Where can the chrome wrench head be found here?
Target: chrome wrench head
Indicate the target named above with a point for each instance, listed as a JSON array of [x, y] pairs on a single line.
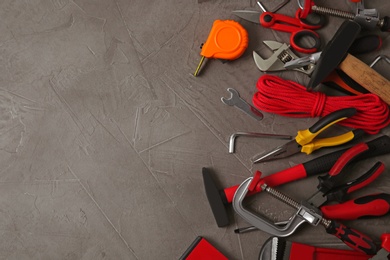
[[281, 55], [237, 101], [260, 222]]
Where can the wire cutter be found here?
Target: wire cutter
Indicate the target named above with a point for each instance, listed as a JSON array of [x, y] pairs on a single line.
[[331, 188], [299, 28], [310, 211], [304, 141]]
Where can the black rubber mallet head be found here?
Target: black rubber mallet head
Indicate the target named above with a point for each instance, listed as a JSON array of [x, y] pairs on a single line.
[[216, 199]]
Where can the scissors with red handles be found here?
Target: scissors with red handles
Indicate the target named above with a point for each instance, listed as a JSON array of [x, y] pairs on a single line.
[[298, 28]]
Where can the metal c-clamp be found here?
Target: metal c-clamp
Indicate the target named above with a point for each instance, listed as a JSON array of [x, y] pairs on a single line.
[[305, 213]]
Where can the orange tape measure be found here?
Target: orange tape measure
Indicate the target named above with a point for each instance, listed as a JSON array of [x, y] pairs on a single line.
[[227, 40]]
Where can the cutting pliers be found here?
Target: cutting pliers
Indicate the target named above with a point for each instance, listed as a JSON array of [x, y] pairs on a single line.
[[331, 188], [304, 141], [311, 211]]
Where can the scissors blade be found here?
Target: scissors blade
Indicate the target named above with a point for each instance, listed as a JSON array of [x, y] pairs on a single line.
[[251, 16], [282, 151]]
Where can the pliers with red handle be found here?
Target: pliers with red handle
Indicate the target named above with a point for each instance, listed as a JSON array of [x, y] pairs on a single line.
[[330, 189]]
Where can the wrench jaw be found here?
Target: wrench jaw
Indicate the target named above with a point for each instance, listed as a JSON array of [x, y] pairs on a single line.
[[261, 222], [281, 55]]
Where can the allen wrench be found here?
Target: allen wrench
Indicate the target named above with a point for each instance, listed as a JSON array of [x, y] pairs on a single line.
[[251, 134]]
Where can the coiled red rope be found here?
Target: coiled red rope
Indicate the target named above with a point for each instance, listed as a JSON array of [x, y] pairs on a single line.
[[288, 98]]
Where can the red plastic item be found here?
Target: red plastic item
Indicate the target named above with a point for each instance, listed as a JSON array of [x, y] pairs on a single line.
[[371, 205], [386, 241], [305, 252], [295, 26], [288, 175], [288, 98], [227, 40], [201, 249], [346, 158]]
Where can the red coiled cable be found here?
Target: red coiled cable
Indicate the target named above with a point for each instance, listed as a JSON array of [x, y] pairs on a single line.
[[288, 98]]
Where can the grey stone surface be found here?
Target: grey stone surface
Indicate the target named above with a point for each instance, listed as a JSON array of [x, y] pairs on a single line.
[[104, 130]]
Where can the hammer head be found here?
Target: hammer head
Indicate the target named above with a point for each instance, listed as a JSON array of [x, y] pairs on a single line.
[[334, 52], [215, 199]]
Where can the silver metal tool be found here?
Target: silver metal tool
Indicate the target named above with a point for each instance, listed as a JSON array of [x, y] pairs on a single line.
[[282, 54], [275, 9], [237, 101], [264, 224], [309, 60], [368, 18], [381, 255], [251, 134], [313, 58], [378, 58]]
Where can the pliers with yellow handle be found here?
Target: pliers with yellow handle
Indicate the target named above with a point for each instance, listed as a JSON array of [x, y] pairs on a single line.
[[304, 141]]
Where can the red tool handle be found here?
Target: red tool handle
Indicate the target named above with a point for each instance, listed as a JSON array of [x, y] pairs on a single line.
[[352, 238], [338, 193], [374, 205], [313, 167], [385, 241], [347, 157], [300, 251]]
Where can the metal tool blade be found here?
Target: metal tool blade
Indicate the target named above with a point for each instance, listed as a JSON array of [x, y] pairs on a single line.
[[282, 151], [334, 52], [251, 16], [317, 199], [275, 248], [381, 255], [304, 61]]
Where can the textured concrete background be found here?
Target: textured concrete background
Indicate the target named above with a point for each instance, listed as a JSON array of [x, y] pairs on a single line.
[[104, 130]]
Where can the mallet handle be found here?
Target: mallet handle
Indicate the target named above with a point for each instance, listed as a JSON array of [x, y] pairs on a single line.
[[366, 77]]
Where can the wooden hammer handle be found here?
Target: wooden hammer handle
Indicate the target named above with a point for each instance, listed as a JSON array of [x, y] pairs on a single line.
[[366, 77]]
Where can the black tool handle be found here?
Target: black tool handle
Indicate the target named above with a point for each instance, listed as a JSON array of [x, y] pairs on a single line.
[[374, 205], [352, 238], [365, 44], [338, 193], [331, 118], [386, 24], [324, 163]]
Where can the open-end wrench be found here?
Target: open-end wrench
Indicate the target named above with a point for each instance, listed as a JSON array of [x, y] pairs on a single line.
[[237, 101]]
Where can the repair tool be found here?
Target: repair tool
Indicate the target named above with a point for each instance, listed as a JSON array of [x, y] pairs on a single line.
[[237, 101], [220, 198], [227, 40], [361, 45], [299, 28], [369, 206], [384, 252], [304, 141], [275, 9], [335, 54], [330, 189], [378, 58], [367, 18], [337, 79], [276, 248], [202, 249], [305, 213], [283, 58], [251, 134]]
